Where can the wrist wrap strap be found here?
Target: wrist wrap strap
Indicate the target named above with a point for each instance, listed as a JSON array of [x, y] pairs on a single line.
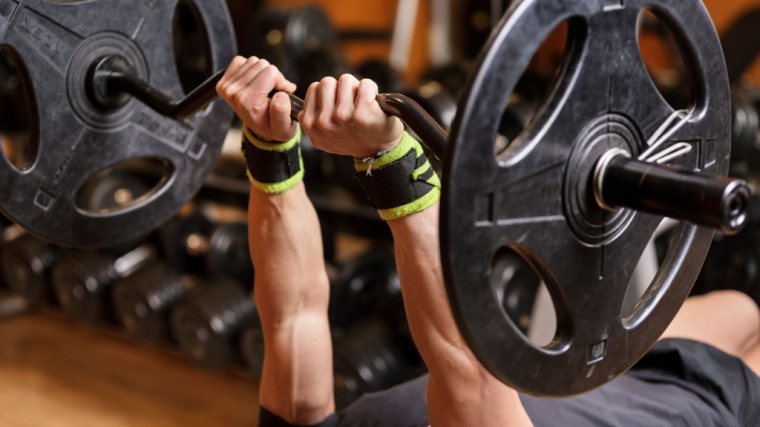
[[400, 182], [273, 167]]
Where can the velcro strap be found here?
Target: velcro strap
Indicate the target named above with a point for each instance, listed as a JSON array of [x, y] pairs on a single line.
[[270, 167], [399, 182], [273, 167], [393, 185]]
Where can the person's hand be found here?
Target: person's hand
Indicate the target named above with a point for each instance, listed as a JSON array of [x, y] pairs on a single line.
[[246, 85], [343, 117]]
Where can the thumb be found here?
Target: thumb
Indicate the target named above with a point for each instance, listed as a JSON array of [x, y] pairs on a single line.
[[281, 126]]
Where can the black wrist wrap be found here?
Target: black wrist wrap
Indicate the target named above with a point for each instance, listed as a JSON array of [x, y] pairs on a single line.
[[269, 167], [393, 185]]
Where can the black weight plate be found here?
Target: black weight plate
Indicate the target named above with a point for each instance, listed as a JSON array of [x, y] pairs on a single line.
[[534, 200], [57, 42]]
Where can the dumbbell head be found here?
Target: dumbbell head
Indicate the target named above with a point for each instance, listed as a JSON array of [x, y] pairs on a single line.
[[228, 254], [515, 284], [363, 286], [25, 264], [252, 347], [112, 190], [452, 76], [12, 304], [206, 323], [183, 242], [434, 98], [312, 161], [81, 280], [368, 358], [321, 62], [380, 71], [143, 301], [285, 36]]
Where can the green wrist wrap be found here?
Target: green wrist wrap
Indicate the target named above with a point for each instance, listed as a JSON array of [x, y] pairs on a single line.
[[273, 167], [400, 182]]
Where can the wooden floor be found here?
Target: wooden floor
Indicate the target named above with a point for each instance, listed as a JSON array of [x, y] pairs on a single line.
[[57, 373]]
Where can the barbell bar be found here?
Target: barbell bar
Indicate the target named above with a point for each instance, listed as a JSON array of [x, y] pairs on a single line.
[[702, 199]]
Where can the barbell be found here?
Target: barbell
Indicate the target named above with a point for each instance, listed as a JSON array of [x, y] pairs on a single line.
[[578, 194]]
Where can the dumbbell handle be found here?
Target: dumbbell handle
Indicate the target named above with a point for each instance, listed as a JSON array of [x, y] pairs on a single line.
[[706, 200]]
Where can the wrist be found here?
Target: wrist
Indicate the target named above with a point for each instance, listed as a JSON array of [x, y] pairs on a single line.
[[400, 182], [380, 149], [267, 137], [273, 167]]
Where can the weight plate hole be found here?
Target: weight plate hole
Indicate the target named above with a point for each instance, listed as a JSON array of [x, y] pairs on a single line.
[[192, 54], [643, 285], [662, 51], [523, 297], [18, 111], [539, 86], [122, 185]]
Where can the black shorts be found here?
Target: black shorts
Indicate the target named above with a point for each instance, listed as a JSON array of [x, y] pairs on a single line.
[[707, 370], [722, 385]]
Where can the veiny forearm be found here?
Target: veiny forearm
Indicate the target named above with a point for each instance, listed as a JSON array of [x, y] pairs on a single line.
[[460, 390], [291, 292]]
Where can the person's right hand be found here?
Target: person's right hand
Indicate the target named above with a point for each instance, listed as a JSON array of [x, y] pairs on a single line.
[[246, 86], [343, 117]]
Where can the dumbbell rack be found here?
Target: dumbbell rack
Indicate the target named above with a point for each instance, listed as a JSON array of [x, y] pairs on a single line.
[[360, 225]]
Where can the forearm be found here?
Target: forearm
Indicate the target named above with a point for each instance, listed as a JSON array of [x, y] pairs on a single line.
[[460, 390], [291, 292]]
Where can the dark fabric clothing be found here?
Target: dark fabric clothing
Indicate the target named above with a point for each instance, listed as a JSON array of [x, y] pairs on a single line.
[[677, 383]]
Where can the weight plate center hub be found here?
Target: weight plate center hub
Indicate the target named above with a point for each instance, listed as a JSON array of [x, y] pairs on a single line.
[[126, 57], [589, 222]]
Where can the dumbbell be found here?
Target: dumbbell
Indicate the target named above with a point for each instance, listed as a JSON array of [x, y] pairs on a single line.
[[526, 98], [82, 280], [252, 346], [439, 89], [111, 190], [14, 114], [745, 151], [312, 162], [12, 304], [515, 284], [207, 323], [25, 264], [143, 301], [288, 38], [733, 262], [317, 63], [183, 242], [363, 287], [368, 358], [193, 244], [380, 71], [188, 35]]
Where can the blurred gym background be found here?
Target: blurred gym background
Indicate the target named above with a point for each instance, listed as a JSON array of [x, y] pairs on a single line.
[[163, 331]]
